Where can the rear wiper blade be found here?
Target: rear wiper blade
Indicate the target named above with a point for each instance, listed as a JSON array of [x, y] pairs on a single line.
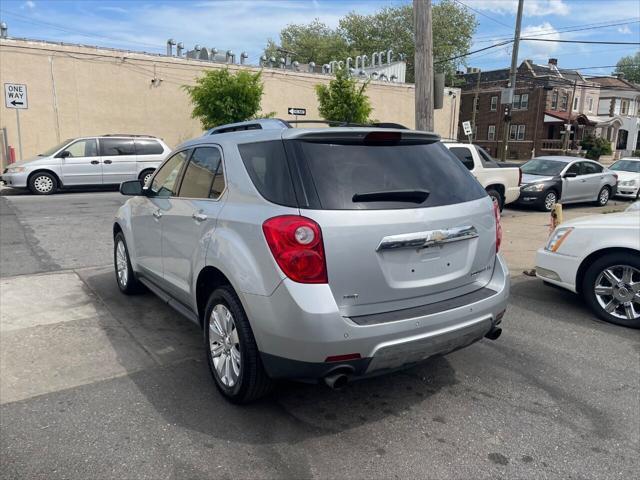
[[412, 196]]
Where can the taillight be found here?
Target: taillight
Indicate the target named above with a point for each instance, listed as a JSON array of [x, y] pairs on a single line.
[[296, 245], [496, 212]]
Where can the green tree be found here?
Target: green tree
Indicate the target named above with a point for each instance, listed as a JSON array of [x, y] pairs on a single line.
[[313, 42], [596, 146], [221, 97], [630, 66], [343, 100], [388, 28]]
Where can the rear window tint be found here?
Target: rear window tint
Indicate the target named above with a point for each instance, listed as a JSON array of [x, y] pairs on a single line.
[[266, 163], [116, 147], [464, 155], [339, 172], [148, 147]]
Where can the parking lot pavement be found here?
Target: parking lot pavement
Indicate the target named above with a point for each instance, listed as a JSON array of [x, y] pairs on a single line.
[[98, 385]]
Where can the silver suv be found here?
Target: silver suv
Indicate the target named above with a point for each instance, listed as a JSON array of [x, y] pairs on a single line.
[[316, 254], [104, 160]]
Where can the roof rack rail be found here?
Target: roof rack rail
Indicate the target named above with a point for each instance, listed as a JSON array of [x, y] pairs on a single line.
[[127, 135], [335, 123], [257, 124]]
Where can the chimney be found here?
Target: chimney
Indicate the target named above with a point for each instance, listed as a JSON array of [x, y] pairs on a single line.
[[553, 61]]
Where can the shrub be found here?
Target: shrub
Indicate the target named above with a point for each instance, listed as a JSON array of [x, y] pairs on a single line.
[[596, 146], [343, 100]]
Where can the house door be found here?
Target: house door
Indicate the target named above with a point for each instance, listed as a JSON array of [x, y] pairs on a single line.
[[621, 143]]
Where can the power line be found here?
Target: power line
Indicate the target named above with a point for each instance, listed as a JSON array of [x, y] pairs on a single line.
[[483, 14], [471, 53], [578, 41]]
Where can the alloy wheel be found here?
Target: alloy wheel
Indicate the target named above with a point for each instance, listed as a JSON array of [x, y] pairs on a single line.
[[550, 200], [604, 196], [224, 344], [146, 178], [122, 268], [43, 184], [617, 290]]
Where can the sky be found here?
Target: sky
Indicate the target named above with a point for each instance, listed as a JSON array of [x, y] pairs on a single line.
[[239, 25]]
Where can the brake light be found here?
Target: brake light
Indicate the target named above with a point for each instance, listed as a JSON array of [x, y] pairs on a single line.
[[296, 245], [496, 212]]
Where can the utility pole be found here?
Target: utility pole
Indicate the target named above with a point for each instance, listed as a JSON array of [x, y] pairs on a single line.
[[475, 103], [423, 64], [568, 127], [512, 81]]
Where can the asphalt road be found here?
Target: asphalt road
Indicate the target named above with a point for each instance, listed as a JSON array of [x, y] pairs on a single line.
[[97, 385]]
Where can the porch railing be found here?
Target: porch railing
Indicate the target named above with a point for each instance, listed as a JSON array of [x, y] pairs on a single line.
[[552, 144]]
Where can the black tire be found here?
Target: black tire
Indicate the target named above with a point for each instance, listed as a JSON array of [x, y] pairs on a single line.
[[128, 284], [43, 183], [545, 203], [603, 196], [144, 173], [589, 283], [252, 381], [496, 197]]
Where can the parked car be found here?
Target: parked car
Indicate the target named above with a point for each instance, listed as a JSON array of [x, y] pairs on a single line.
[[502, 183], [548, 180], [628, 171], [310, 254], [103, 160], [598, 257]]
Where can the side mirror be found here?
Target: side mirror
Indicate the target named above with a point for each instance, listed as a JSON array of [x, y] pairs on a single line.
[[131, 187], [64, 154], [570, 175]]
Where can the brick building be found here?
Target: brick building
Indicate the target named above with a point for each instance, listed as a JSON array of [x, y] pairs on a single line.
[[543, 100]]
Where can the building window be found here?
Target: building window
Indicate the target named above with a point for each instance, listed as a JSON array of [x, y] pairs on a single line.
[[513, 132], [590, 103], [564, 103], [521, 132], [491, 134], [576, 100], [524, 101], [516, 102], [476, 103], [494, 104], [624, 107], [554, 100]]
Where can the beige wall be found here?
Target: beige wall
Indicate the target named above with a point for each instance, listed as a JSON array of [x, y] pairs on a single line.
[[78, 90]]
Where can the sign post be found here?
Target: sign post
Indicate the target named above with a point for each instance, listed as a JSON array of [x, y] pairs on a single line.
[[468, 131], [15, 96]]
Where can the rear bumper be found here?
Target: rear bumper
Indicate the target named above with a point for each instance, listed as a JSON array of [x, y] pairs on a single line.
[[511, 195], [299, 327]]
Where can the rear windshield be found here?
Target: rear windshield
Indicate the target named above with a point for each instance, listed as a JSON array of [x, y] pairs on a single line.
[[342, 173]]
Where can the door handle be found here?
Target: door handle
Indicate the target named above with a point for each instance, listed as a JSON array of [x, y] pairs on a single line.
[[582, 181], [198, 217], [94, 162], [108, 162], [157, 214]]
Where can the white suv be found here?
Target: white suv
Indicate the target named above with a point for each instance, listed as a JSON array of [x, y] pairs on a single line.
[[104, 160]]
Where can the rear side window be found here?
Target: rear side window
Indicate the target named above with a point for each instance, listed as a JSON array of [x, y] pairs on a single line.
[[266, 163], [148, 147], [464, 155], [343, 172], [589, 168], [114, 147]]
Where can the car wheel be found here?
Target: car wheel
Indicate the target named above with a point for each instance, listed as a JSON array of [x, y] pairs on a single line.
[[548, 201], [43, 183], [125, 276], [232, 352], [145, 175], [496, 197], [603, 196], [611, 288]]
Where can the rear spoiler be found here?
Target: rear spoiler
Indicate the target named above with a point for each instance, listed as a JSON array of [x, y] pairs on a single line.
[[372, 136]]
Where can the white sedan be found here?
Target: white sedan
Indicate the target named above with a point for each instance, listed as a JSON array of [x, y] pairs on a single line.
[[598, 257], [628, 170]]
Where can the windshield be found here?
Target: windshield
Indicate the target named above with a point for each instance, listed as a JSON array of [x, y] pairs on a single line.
[[626, 166], [51, 151], [544, 167]]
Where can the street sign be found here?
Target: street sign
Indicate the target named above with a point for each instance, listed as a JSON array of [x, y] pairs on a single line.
[[15, 96], [506, 95], [297, 111], [466, 126]]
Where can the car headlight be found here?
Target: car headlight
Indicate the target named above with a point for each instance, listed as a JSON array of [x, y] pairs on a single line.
[[15, 169], [535, 187], [628, 183], [557, 238]]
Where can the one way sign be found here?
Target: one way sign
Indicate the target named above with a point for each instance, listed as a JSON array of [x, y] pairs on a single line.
[[297, 111], [15, 95]]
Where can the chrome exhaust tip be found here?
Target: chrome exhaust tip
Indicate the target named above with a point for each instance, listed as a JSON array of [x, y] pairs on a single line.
[[494, 333], [336, 381]]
